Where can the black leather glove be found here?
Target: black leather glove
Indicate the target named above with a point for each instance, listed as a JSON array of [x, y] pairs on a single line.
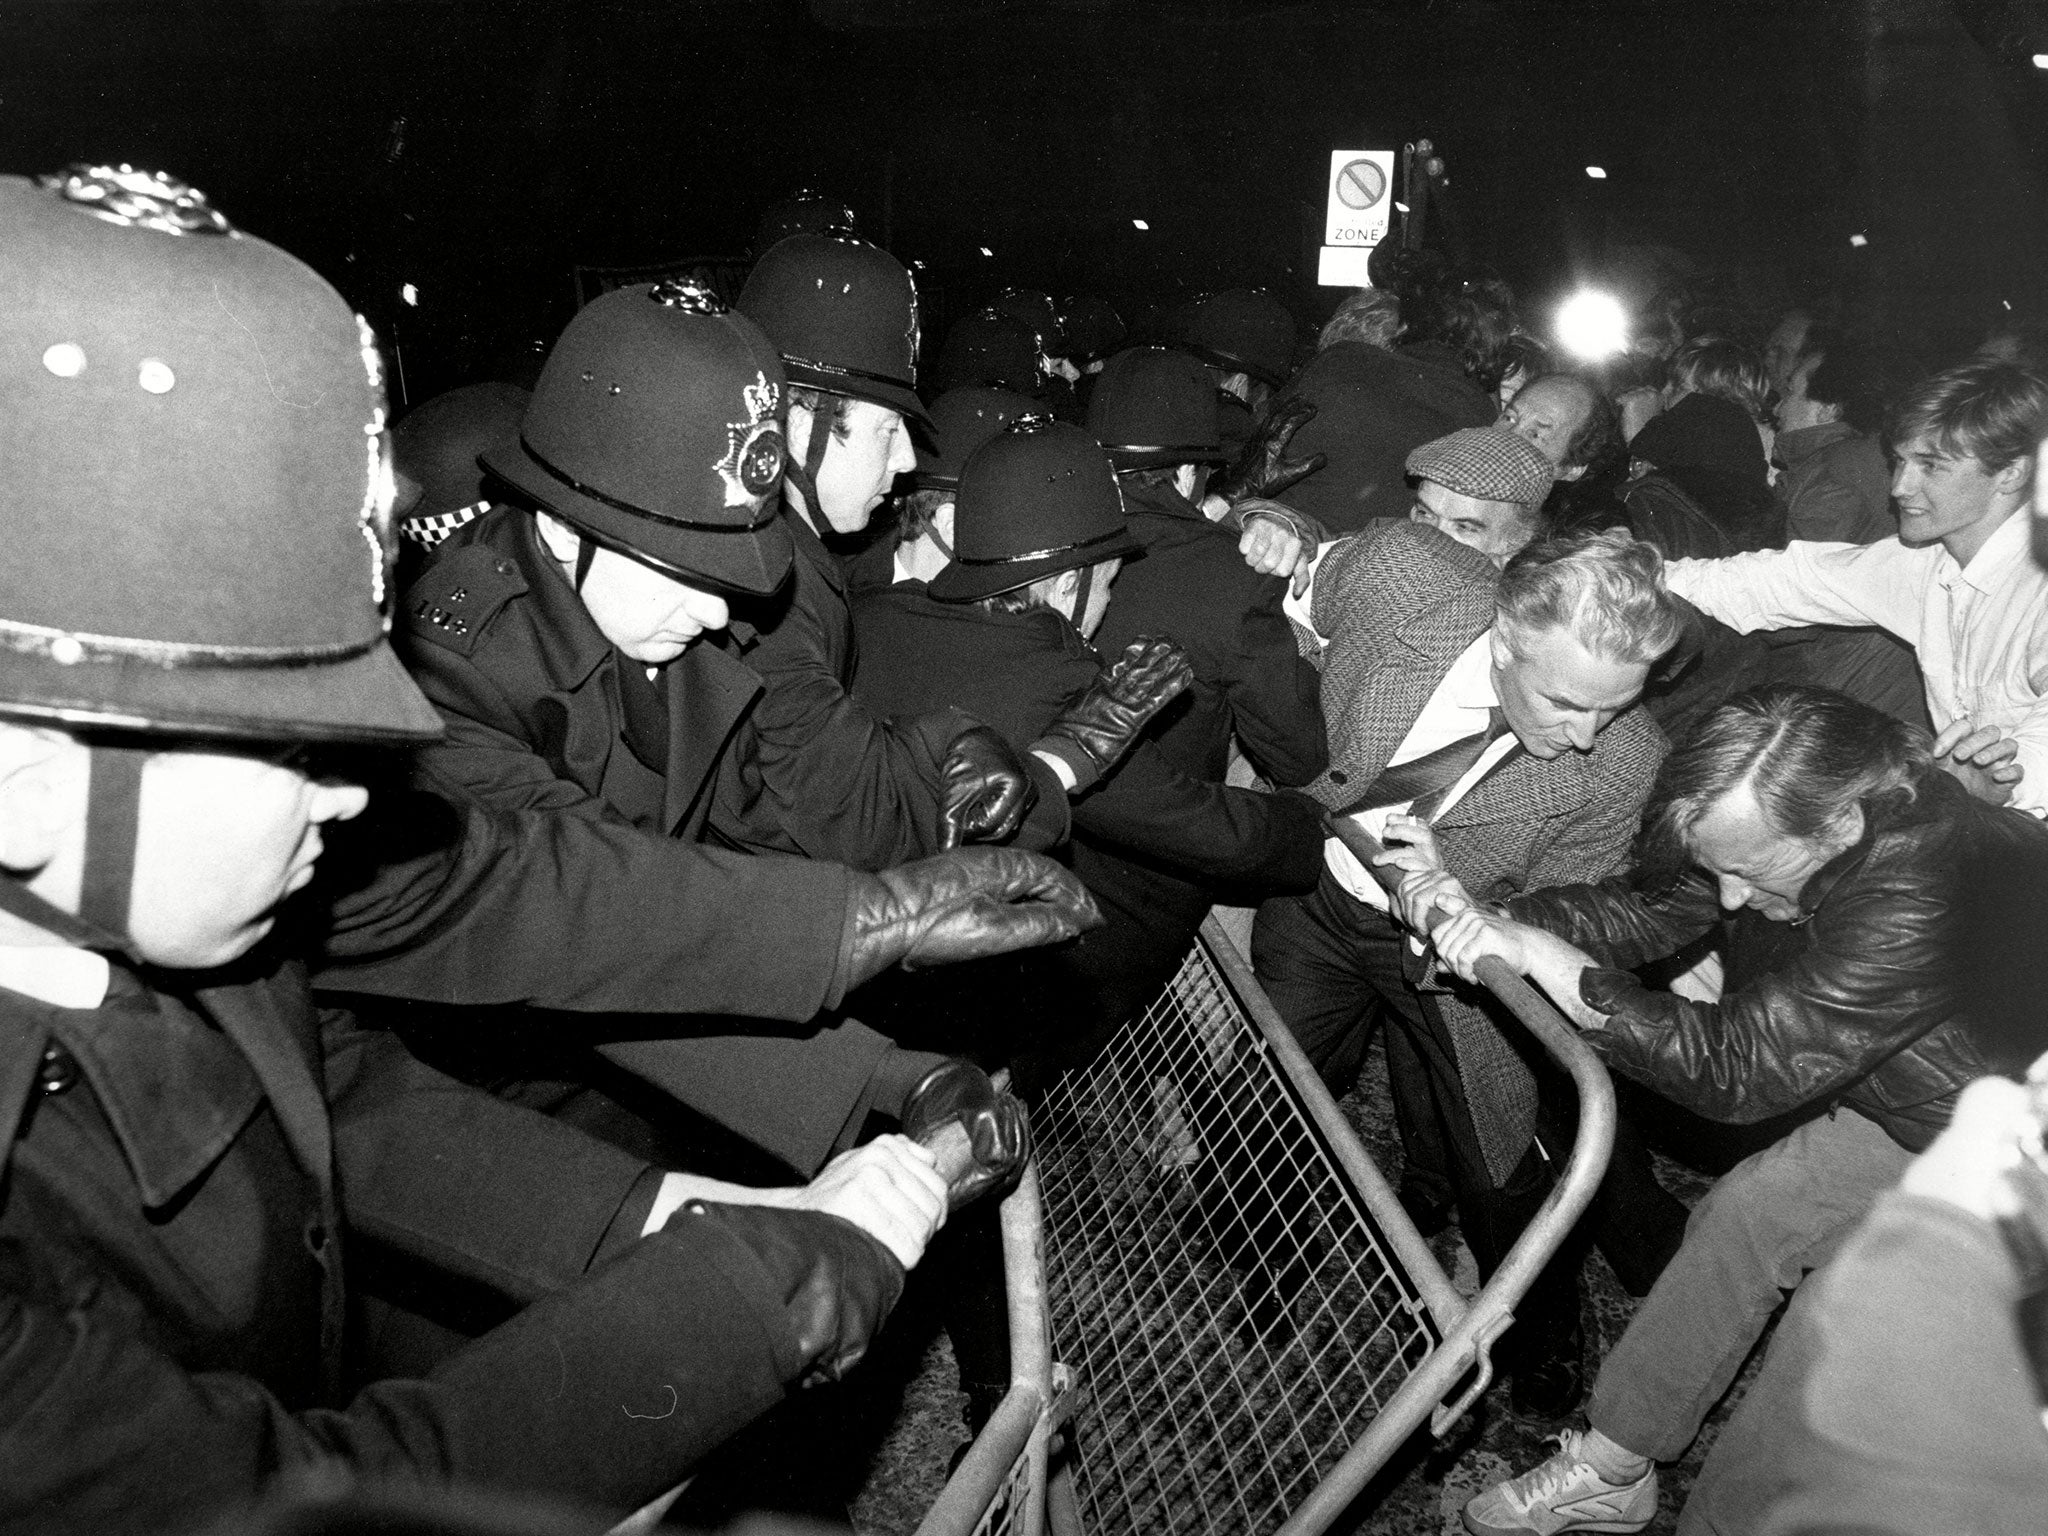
[[1262, 467], [988, 789], [837, 1285], [960, 906], [1098, 728], [997, 1127]]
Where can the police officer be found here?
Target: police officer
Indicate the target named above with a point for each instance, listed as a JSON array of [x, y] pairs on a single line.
[[1155, 412], [1248, 340], [564, 634], [835, 780], [1004, 631], [194, 614]]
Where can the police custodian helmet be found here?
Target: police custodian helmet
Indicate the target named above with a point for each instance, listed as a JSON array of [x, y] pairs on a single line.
[[844, 316], [656, 428], [197, 502]]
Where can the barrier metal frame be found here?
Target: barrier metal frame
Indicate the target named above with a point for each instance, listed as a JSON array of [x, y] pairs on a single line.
[[1009, 1482]]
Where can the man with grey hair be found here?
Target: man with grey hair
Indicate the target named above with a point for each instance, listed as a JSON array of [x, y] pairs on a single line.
[[1484, 718], [1855, 873], [1370, 315]]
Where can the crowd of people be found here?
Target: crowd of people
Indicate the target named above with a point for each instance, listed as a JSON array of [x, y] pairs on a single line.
[[615, 860]]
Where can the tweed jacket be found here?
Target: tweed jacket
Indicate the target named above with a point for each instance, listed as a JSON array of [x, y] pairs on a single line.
[[1399, 603]]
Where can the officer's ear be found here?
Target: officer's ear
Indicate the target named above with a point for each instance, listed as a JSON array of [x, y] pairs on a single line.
[[43, 780], [558, 538]]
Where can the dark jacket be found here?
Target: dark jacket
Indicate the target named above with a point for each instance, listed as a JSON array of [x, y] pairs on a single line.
[[1017, 671], [544, 715], [1250, 678], [185, 1171], [1836, 487], [838, 782], [1374, 408], [1868, 1001], [1152, 842]]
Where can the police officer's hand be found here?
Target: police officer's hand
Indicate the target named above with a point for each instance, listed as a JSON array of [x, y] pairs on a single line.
[[891, 1189], [988, 789], [984, 1129], [1263, 467], [960, 906], [1094, 731]]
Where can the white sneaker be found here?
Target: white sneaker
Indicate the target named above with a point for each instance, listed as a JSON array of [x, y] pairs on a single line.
[[1563, 1494]]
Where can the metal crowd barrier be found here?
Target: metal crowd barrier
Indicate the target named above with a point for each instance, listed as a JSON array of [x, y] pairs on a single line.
[[1247, 1324]]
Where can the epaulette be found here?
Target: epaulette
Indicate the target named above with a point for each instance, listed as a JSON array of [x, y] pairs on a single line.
[[456, 597]]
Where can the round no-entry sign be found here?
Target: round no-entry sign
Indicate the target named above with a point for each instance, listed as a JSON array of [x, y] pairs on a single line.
[[1361, 184]]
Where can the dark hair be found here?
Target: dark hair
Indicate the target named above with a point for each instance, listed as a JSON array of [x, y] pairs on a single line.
[[1152, 476], [1473, 316], [1993, 412], [1597, 438], [1525, 354], [1809, 755], [1848, 375], [823, 404], [917, 509], [1017, 600]]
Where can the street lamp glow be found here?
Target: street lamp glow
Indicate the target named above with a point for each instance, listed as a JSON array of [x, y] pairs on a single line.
[[1597, 172], [1859, 241], [1592, 325], [1139, 224], [410, 294], [986, 251], [2041, 61]]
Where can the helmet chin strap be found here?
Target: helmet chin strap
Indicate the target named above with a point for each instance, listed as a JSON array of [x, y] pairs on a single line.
[[113, 800], [1081, 594], [805, 477]]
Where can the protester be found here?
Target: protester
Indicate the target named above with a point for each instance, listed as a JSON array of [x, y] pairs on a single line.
[[1851, 864], [1487, 712], [1955, 582]]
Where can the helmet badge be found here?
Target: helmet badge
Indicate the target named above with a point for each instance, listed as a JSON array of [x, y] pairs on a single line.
[[754, 448], [687, 293], [121, 194]]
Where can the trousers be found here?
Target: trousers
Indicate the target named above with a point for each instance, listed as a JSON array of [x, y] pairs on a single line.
[[1774, 1217]]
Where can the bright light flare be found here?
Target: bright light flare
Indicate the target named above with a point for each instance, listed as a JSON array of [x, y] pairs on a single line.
[[987, 252], [1597, 172], [410, 294], [1859, 241], [2041, 61], [1139, 224], [1592, 325]]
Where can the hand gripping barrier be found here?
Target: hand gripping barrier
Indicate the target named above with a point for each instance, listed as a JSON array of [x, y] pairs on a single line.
[[1252, 1325]]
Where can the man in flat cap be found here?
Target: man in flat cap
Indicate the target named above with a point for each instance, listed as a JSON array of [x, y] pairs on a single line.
[[1484, 718], [1484, 487]]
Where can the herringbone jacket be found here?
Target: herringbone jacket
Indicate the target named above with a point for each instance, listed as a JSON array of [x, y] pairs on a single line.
[[1399, 603]]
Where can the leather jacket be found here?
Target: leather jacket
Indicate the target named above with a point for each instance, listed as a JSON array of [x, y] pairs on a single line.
[[1882, 997]]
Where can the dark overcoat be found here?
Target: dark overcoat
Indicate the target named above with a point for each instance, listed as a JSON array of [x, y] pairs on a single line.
[[185, 1169]]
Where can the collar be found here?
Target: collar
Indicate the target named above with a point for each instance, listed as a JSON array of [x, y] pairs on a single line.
[[1469, 682], [1162, 500], [175, 1091], [568, 636], [1993, 564], [810, 547], [55, 973]]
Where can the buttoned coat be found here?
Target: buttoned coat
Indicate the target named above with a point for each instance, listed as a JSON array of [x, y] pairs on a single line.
[[536, 707], [184, 1171], [1399, 604]]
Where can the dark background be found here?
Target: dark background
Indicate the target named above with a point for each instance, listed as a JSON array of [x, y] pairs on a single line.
[[481, 151]]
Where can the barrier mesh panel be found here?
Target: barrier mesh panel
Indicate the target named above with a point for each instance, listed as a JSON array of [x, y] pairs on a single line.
[[1232, 1317]]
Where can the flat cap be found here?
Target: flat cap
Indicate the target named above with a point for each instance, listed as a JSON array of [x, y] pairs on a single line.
[[1489, 463]]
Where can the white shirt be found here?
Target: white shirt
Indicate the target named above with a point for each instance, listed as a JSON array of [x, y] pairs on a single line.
[[1980, 631], [1460, 706], [56, 974]]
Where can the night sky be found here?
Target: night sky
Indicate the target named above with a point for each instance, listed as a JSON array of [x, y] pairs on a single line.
[[480, 152]]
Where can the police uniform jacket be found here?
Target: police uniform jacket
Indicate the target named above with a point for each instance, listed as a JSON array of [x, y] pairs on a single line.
[[1016, 672], [1250, 682], [544, 715], [186, 1166], [836, 780]]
